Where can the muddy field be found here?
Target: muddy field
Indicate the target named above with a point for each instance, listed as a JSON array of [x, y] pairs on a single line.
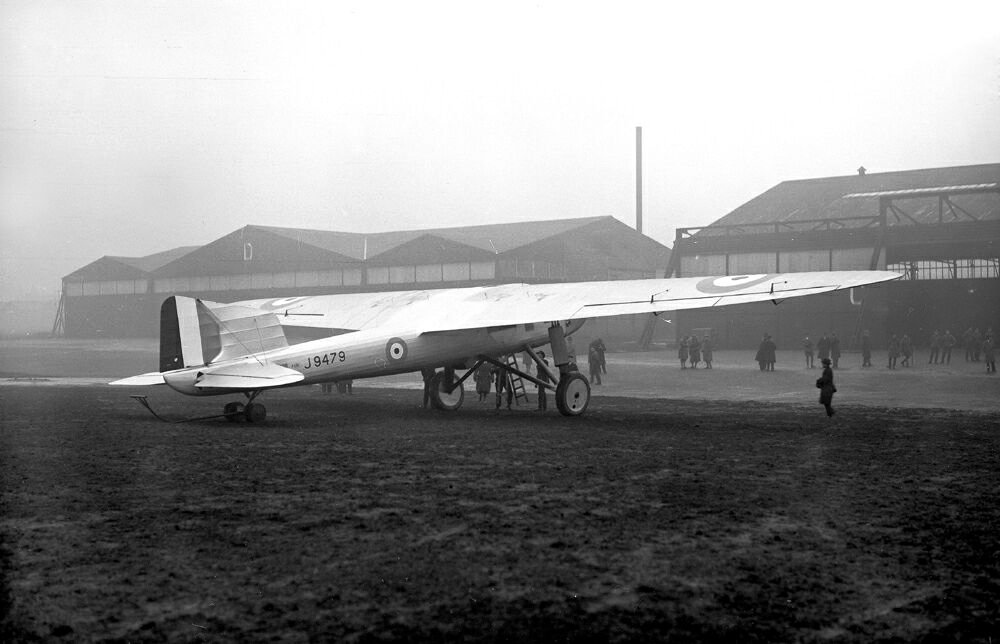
[[683, 506]]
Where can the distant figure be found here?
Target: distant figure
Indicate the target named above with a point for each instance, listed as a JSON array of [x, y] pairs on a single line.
[[484, 377], [766, 353], [526, 360], [906, 349], [947, 342], [601, 350], [706, 351], [823, 347], [968, 344], [327, 387], [427, 374], [893, 351], [988, 355], [570, 349], [835, 350], [761, 356], [807, 349], [866, 349], [694, 351], [682, 352], [594, 363], [542, 375], [826, 387], [503, 384], [345, 386], [935, 347]]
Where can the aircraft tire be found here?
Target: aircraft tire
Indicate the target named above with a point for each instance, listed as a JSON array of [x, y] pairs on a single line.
[[445, 401], [255, 413], [573, 394], [233, 411]]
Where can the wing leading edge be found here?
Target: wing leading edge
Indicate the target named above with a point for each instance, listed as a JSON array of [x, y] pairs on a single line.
[[523, 304], [507, 304]]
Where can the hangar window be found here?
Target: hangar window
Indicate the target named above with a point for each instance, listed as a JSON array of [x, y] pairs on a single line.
[[378, 274], [352, 276], [284, 280], [695, 265], [428, 273], [752, 263], [402, 274], [239, 282], [261, 280], [455, 272], [805, 261], [852, 259], [482, 270], [946, 270]]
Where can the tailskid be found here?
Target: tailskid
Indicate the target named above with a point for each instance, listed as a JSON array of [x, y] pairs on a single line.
[[233, 412]]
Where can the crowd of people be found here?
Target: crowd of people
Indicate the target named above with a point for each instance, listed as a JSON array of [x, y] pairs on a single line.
[[691, 349]]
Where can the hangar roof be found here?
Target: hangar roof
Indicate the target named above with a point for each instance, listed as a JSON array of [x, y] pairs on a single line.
[[113, 267], [273, 248], [858, 195], [488, 237]]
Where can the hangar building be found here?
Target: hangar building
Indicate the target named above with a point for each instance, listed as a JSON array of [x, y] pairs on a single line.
[[121, 296], [939, 228]]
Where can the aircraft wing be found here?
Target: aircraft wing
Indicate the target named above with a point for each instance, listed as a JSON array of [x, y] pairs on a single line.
[[509, 304]]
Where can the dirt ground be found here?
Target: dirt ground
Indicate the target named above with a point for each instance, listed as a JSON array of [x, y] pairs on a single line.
[[683, 506]]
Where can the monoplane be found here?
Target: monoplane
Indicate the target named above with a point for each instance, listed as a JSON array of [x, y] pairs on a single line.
[[209, 348]]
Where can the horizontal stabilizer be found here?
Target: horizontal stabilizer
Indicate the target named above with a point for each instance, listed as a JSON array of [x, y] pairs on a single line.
[[247, 375], [146, 379]]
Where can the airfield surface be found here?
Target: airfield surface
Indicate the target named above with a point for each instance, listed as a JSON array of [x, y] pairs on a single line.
[[684, 505]]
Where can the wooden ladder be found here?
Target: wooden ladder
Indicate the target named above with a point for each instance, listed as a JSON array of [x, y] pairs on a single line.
[[515, 381]]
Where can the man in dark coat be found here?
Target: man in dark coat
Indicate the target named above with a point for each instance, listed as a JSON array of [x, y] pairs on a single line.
[[826, 387]]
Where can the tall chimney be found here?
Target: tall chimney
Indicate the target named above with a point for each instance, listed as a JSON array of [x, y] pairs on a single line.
[[638, 179]]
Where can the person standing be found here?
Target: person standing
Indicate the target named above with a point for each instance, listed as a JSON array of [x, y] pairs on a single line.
[[706, 351], [484, 377], [772, 352], [826, 387], [823, 347], [427, 374], [835, 350], [893, 351], [694, 351], [988, 354], [906, 349], [601, 350], [503, 384], [947, 342], [935, 347], [761, 356], [542, 375], [807, 349], [594, 364], [866, 349], [682, 352]]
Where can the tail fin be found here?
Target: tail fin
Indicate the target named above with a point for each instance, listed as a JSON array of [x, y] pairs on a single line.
[[194, 332]]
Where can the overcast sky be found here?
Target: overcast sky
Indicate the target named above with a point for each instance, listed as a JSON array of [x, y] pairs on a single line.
[[131, 127]]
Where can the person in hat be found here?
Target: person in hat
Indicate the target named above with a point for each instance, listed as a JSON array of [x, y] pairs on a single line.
[[826, 387]]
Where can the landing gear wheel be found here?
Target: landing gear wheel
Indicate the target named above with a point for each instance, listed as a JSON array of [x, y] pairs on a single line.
[[572, 394], [255, 413], [233, 411], [442, 399]]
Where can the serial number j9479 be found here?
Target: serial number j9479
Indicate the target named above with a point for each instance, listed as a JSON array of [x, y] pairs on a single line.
[[316, 362]]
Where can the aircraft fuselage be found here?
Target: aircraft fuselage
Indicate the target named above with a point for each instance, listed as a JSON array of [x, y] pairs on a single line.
[[369, 354]]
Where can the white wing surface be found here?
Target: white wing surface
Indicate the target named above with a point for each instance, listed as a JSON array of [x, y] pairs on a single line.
[[509, 304]]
